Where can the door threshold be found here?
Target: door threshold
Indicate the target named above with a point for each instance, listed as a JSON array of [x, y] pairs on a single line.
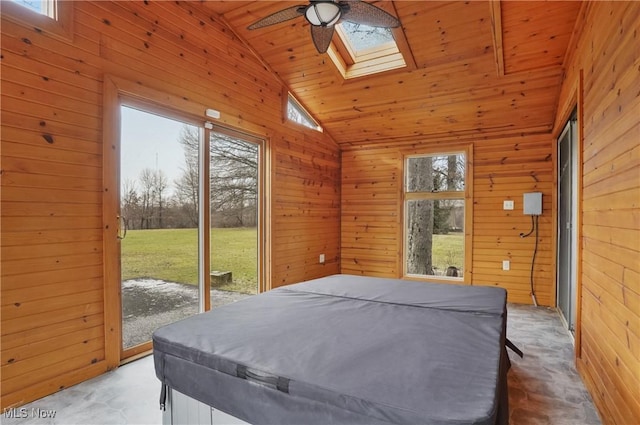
[[136, 357]]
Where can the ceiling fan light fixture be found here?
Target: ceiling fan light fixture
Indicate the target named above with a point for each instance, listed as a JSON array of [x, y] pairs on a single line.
[[323, 13]]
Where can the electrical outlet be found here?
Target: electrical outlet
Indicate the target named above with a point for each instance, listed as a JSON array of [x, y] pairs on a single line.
[[506, 265], [321, 259], [507, 205]]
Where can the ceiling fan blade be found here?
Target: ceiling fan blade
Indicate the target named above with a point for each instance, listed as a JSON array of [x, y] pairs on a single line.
[[360, 12], [321, 37], [280, 16]]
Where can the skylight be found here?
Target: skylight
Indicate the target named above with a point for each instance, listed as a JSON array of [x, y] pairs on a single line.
[[362, 37], [364, 50]]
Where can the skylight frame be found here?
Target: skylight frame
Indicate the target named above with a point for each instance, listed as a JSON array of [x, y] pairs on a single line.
[[353, 63]]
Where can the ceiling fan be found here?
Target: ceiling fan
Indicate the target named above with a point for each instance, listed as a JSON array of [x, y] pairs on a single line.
[[323, 15]]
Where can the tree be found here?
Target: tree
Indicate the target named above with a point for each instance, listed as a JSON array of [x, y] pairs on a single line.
[[448, 175], [187, 194], [420, 217], [428, 215], [129, 204], [153, 185], [234, 180]]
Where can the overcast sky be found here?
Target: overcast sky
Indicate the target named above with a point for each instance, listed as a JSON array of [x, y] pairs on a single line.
[[150, 141]]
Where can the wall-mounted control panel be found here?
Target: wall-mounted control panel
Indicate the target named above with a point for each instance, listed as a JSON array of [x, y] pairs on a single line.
[[532, 203]]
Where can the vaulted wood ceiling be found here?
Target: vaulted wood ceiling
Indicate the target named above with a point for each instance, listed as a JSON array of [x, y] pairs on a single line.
[[476, 68]]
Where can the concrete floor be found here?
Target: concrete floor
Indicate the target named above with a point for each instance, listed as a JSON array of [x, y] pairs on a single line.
[[544, 387]]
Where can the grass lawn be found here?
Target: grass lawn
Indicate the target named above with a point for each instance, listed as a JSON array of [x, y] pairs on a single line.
[[448, 250], [172, 255]]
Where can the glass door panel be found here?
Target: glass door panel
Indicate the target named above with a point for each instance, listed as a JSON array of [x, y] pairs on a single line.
[[159, 222], [567, 233], [235, 216]]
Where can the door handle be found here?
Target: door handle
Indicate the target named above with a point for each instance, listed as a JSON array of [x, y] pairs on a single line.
[[122, 227]]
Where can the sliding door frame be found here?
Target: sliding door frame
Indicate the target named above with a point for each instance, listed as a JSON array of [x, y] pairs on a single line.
[[116, 93], [261, 142]]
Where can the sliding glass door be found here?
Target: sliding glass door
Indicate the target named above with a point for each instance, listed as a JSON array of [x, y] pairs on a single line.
[[189, 220], [159, 220], [235, 215]]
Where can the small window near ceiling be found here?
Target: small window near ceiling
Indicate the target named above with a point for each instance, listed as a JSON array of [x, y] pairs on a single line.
[[297, 114], [43, 7], [51, 17], [435, 208]]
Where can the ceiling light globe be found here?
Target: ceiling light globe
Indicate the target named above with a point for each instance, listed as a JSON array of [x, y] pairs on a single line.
[[323, 13]]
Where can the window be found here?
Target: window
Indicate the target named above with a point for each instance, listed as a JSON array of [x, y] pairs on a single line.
[[363, 50], [297, 114], [53, 17], [435, 215], [361, 37], [43, 7]]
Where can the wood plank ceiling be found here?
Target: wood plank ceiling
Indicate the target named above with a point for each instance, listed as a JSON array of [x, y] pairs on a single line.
[[481, 68]]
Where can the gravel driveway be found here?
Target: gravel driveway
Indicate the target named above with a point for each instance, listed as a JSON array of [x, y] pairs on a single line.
[[148, 304]]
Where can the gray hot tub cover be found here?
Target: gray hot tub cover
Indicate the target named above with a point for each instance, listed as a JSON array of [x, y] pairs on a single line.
[[346, 349]]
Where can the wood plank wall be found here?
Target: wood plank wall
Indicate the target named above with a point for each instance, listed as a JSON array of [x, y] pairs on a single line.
[[503, 169], [52, 267], [52, 280], [608, 56]]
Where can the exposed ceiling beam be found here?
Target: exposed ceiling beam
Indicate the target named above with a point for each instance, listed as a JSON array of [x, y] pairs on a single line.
[[496, 29]]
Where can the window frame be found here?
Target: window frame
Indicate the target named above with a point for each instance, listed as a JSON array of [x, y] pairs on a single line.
[[60, 25], [466, 196], [290, 99]]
